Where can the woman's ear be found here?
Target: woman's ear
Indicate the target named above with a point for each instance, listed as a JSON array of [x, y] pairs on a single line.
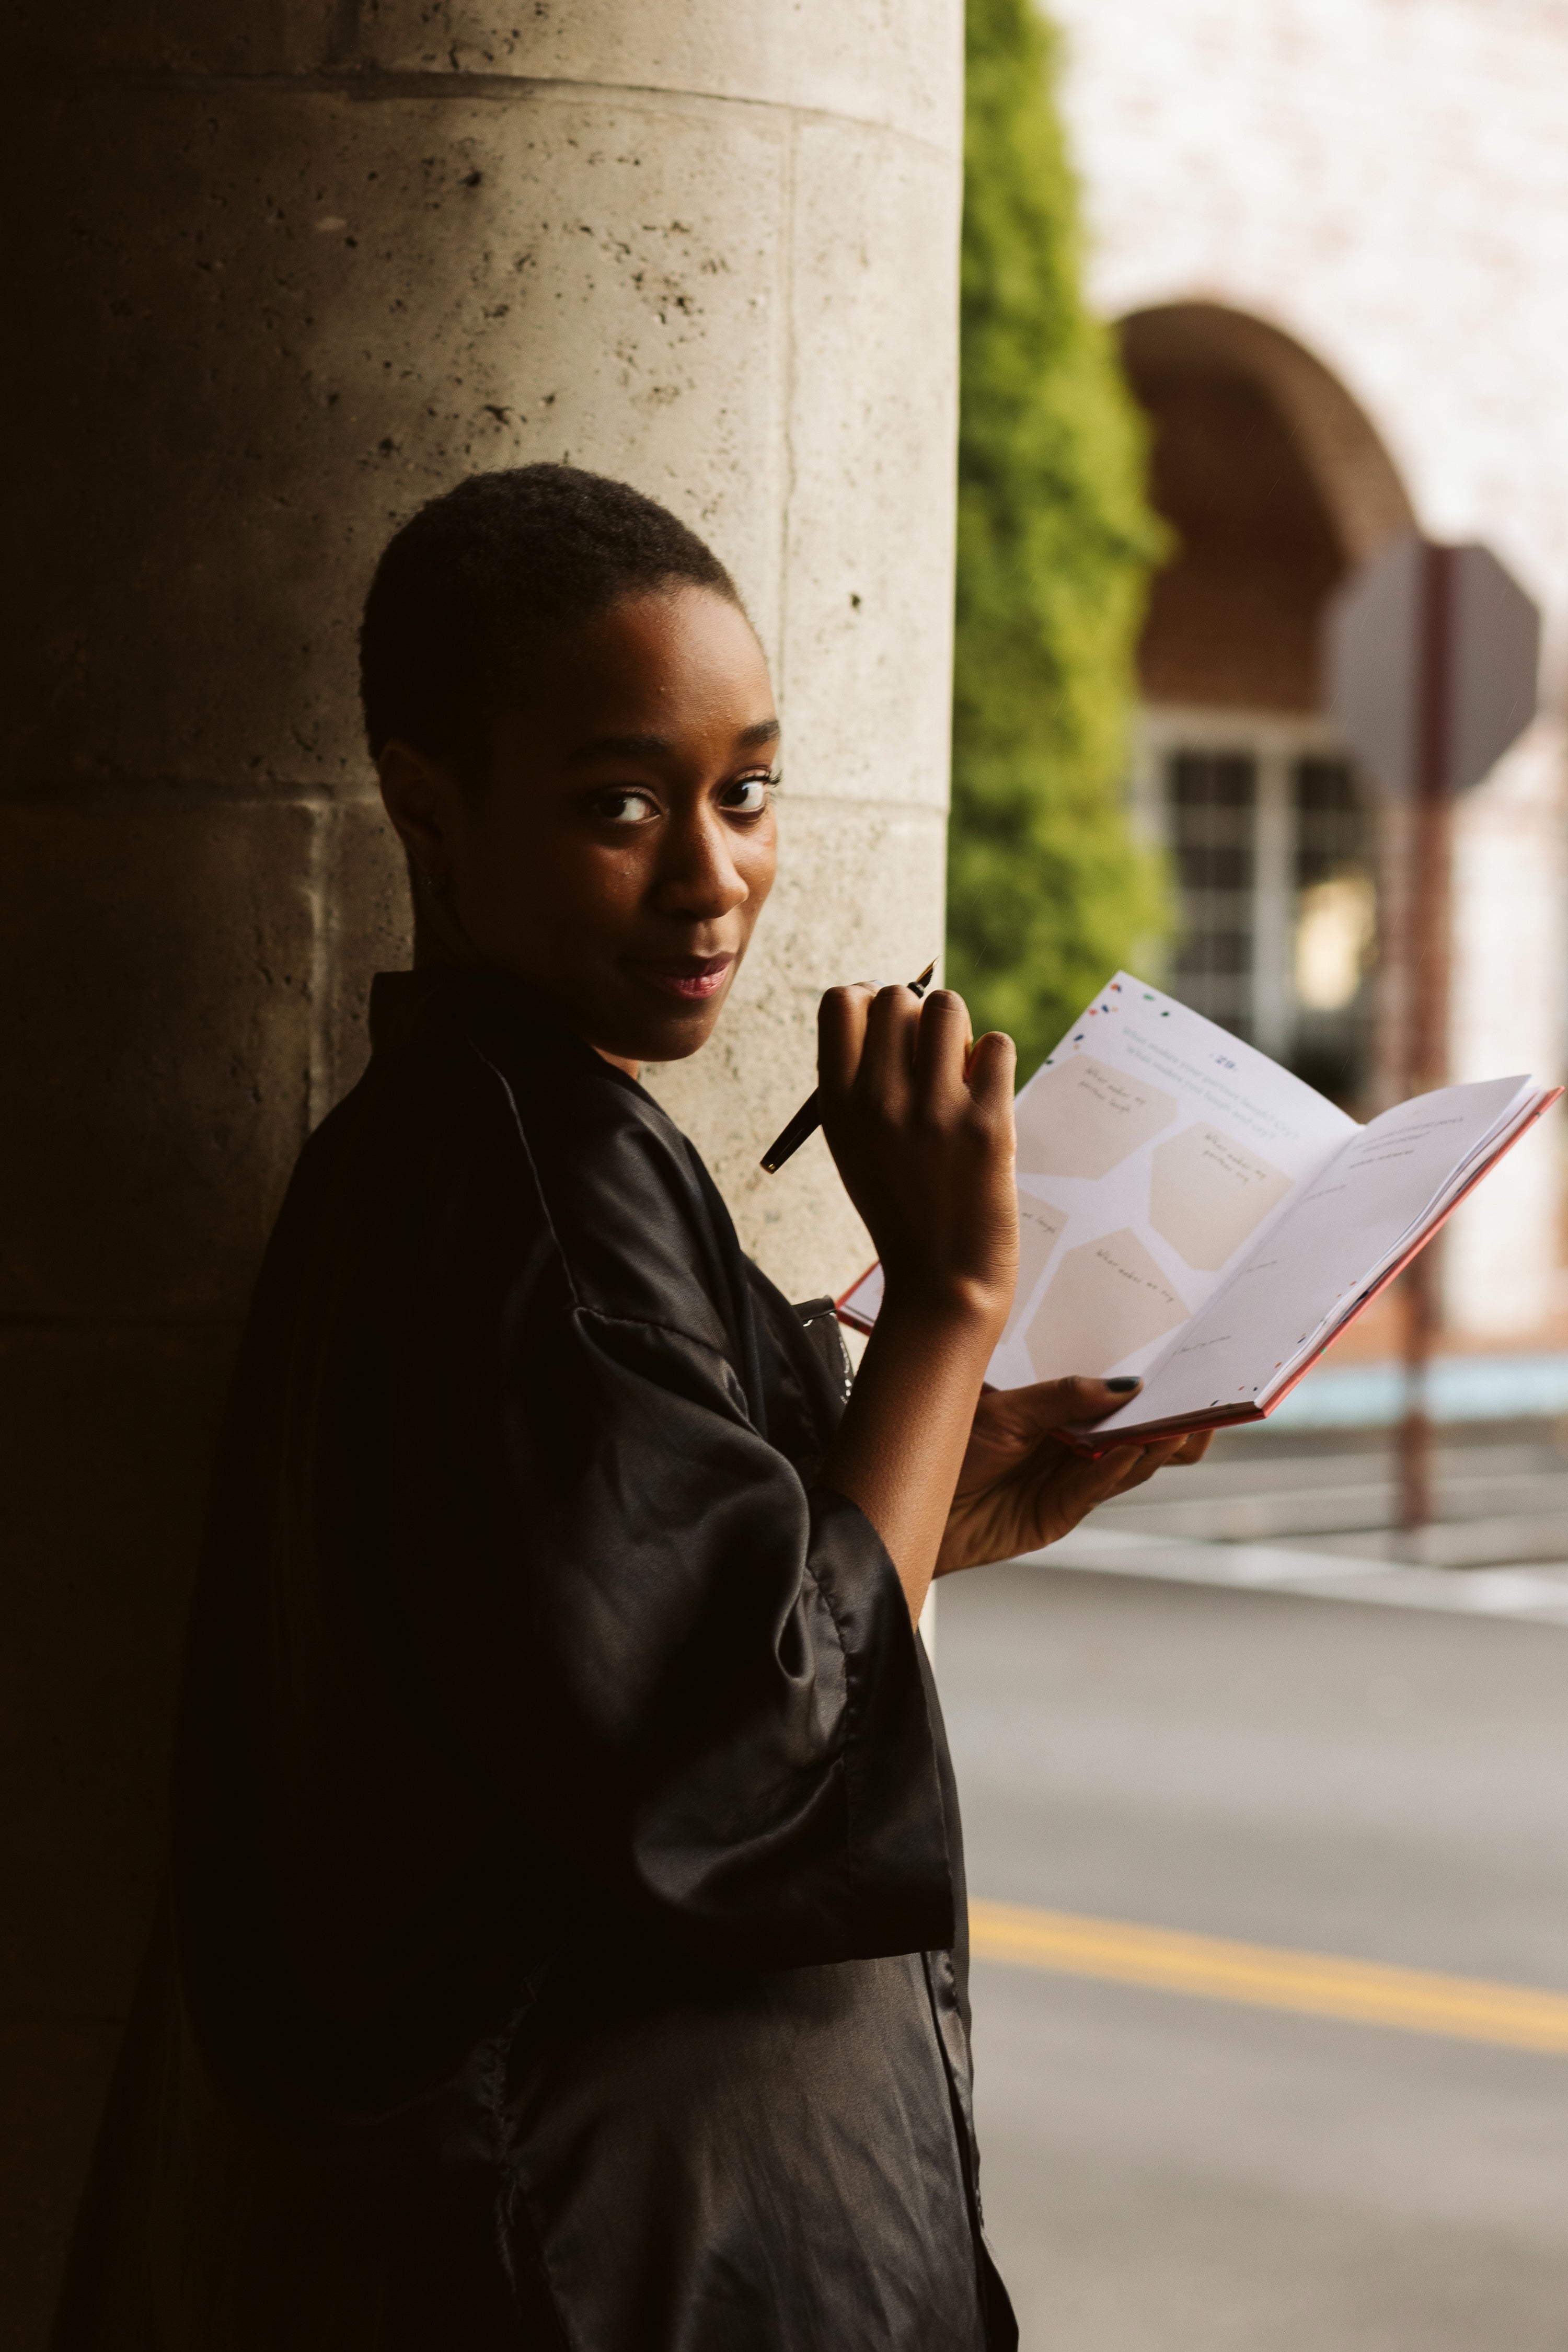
[[422, 800]]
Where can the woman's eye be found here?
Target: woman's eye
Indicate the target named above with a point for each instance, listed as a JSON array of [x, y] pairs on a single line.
[[749, 795], [625, 807]]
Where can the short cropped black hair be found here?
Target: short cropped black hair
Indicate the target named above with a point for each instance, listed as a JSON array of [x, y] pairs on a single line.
[[489, 573]]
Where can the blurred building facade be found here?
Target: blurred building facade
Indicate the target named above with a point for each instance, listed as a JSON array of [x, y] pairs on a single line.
[[1335, 235]]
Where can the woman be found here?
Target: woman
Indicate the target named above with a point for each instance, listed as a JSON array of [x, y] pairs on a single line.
[[566, 1936]]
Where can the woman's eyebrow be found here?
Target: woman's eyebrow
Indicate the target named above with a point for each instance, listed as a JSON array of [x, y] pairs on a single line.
[[618, 746], [762, 732]]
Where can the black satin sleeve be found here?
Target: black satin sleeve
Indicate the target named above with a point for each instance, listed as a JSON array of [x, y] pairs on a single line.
[[684, 1661]]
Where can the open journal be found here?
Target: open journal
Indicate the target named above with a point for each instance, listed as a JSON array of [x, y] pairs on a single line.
[[1190, 1211]]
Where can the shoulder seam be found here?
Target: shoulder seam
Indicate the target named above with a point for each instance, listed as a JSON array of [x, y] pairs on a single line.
[[520, 1133], [585, 1314]]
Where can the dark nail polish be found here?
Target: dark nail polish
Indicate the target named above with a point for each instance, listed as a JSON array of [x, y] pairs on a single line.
[[1123, 1387]]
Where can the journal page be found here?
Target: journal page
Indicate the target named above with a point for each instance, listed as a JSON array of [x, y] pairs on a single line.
[[1155, 1150], [1336, 1237]]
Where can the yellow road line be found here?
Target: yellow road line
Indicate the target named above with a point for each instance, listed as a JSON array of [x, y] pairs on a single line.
[[1313, 1984]]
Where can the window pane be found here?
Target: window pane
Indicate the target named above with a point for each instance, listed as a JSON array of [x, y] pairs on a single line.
[[1334, 927], [1211, 807]]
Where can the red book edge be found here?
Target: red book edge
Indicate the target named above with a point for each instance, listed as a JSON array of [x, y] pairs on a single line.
[[847, 1315], [1085, 1441]]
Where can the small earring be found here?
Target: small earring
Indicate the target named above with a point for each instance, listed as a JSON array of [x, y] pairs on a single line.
[[435, 888]]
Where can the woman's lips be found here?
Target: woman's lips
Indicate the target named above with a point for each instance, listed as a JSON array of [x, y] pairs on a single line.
[[689, 979]]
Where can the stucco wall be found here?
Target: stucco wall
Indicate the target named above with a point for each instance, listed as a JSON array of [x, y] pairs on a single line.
[[1387, 181], [285, 271]]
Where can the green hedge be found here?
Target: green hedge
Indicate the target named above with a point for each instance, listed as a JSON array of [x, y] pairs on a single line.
[[1046, 891]]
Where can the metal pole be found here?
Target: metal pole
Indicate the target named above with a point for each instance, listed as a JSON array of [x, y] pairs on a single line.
[[1426, 982]]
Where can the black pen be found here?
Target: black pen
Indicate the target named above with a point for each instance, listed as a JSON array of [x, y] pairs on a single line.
[[809, 1117]]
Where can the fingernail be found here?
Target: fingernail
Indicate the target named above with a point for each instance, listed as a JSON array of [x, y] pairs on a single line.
[[1124, 1387]]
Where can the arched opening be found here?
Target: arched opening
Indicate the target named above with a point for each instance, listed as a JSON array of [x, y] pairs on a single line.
[[1274, 484]]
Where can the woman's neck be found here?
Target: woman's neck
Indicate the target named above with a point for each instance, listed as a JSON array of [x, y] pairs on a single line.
[[435, 951]]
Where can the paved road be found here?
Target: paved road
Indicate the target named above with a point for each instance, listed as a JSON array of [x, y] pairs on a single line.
[[1166, 2174], [1500, 1495]]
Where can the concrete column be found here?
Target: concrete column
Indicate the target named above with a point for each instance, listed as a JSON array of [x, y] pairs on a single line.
[[281, 272]]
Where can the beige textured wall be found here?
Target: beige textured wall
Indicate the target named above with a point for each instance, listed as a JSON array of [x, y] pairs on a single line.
[[286, 270]]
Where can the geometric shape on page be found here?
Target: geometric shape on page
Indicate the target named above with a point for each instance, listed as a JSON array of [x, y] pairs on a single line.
[[1082, 1118], [1107, 1299], [1039, 1230], [1208, 1193]]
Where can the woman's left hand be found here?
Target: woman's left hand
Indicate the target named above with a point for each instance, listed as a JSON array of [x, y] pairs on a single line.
[[1021, 1487]]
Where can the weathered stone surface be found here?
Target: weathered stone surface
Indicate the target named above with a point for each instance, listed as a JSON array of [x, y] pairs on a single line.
[[368, 928], [304, 266], [105, 1437], [866, 669], [106, 1442], [163, 954], [895, 62], [264, 37], [369, 302]]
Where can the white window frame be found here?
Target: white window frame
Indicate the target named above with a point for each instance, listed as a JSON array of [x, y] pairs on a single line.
[[1275, 740]]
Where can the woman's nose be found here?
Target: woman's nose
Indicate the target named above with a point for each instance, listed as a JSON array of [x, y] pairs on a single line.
[[698, 875]]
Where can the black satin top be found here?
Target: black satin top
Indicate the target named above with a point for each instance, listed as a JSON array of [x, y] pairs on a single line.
[[566, 1937]]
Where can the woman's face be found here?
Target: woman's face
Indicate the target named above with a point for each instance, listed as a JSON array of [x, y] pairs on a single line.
[[620, 850]]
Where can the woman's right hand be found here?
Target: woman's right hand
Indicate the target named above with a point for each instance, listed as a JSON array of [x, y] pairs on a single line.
[[920, 1121]]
